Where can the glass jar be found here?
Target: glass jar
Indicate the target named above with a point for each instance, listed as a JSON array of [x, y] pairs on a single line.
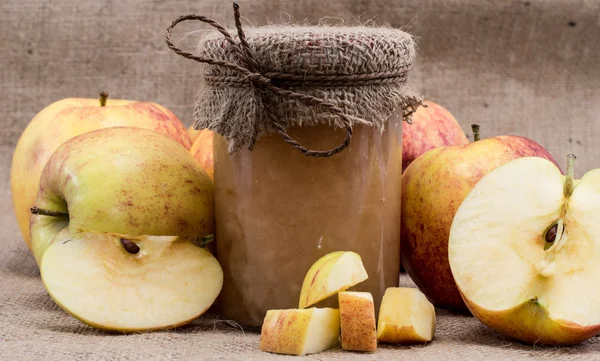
[[278, 211]]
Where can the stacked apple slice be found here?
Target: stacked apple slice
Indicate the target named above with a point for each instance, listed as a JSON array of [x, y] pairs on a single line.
[[406, 316], [303, 331]]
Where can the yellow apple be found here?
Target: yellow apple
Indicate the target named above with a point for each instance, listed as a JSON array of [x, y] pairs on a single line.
[[111, 230], [524, 250], [123, 180], [300, 332], [66, 119], [433, 187], [202, 150], [330, 274], [357, 321], [406, 317], [432, 126]]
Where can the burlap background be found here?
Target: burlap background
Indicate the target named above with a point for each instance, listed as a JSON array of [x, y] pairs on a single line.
[[530, 67]]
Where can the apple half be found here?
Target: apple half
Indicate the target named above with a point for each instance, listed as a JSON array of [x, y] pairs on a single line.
[[120, 283], [330, 274], [524, 250]]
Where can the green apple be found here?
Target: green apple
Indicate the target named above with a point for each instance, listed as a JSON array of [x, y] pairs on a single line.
[[433, 186], [115, 215], [524, 249]]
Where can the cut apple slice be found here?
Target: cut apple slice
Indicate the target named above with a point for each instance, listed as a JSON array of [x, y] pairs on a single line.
[[300, 332], [357, 321], [126, 284], [524, 250], [406, 317], [332, 273]]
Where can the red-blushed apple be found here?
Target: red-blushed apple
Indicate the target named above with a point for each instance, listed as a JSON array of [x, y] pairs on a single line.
[[193, 133], [432, 127], [67, 118], [114, 226], [524, 250], [202, 150], [433, 187]]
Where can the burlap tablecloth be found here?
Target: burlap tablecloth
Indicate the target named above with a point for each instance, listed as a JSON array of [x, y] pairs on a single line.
[[515, 66]]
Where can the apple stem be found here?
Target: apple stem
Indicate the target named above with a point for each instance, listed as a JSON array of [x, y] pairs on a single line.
[[46, 212], [103, 97], [569, 175], [475, 128], [206, 240]]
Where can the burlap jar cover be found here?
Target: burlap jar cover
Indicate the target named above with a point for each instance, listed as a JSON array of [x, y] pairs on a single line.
[[266, 79], [268, 82]]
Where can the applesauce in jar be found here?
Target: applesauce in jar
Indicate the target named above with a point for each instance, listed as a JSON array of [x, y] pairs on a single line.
[[278, 211]]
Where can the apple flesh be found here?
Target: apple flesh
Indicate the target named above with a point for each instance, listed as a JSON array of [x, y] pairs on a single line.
[[433, 187], [330, 274], [357, 315], [122, 283], [432, 126], [406, 317], [524, 250], [67, 118], [300, 331]]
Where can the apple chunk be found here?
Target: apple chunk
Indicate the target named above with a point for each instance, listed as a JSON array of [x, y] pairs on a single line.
[[406, 317], [300, 331], [115, 282], [332, 273], [524, 250], [357, 315]]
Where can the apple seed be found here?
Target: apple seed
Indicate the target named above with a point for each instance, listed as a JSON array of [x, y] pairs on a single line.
[[130, 246], [551, 233]]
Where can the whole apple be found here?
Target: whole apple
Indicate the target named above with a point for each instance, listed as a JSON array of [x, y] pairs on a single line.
[[67, 118], [432, 126], [433, 187], [193, 133], [202, 150], [112, 230]]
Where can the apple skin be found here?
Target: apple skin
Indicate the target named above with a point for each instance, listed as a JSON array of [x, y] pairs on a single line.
[[123, 180], [432, 127], [193, 133], [202, 150], [533, 325], [433, 187], [67, 118]]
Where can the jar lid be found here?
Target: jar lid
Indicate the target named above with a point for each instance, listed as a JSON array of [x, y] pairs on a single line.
[[323, 50], [267, 79]]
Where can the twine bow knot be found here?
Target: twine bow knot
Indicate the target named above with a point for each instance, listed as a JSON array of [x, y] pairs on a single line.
[[250, 73]]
